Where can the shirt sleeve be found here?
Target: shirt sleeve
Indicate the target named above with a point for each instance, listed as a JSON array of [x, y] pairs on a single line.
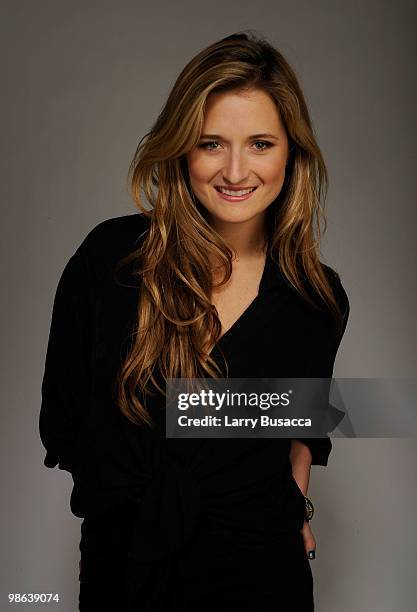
[[66, 378], [320, 448]]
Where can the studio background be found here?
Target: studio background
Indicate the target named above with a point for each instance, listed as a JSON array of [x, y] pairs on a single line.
[[82, 83]]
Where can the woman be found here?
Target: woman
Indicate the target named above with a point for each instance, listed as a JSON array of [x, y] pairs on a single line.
[[206, 282]]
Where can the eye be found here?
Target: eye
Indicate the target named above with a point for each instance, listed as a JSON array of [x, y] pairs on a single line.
[[267, 145], [205, 145]]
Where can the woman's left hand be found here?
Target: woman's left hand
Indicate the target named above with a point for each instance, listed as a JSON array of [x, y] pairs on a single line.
[[309, 540]]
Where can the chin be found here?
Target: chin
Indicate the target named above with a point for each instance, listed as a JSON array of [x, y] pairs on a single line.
[[234, 216]]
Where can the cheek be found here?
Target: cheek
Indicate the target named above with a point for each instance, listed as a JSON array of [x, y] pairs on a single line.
[[199, 170], [273, 173]]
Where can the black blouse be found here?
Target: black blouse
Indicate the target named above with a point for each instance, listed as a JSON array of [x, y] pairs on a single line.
[[247, 483]]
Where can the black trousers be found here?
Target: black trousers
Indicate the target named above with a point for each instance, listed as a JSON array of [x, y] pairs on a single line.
[[213, 571]]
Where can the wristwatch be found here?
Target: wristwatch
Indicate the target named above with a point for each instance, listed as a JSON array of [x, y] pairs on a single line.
[[309, 511]]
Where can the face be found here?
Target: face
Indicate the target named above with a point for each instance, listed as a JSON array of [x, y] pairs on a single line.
[[243, 145]]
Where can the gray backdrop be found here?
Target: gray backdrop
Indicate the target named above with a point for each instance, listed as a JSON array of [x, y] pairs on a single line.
[[82, 82]]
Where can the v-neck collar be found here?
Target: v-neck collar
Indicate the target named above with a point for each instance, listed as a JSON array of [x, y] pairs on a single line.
[[272, 277]]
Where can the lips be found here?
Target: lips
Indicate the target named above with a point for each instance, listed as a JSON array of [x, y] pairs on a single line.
[[235, 198], [219, 187]]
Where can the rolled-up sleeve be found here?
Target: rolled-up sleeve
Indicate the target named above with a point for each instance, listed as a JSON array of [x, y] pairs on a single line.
[[66, 378], [320, 448]]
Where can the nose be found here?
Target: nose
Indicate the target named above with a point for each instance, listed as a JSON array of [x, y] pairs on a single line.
[[235, 170]]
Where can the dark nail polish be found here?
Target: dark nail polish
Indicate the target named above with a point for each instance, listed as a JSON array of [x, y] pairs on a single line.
[[311, 554]]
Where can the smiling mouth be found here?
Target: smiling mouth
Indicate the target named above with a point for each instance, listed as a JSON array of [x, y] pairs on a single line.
[[235, 192]]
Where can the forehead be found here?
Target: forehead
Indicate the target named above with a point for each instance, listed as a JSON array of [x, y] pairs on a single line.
[[251, 111]]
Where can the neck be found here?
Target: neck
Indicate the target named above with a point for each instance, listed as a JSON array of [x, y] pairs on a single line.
[[246, 239]]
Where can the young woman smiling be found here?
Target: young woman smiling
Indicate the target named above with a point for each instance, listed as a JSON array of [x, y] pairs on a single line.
[[220, 277]]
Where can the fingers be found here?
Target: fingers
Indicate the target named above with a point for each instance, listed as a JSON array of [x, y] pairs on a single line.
[[309, 541]]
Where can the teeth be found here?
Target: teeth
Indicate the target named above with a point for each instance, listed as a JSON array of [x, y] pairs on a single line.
[[236, 193]]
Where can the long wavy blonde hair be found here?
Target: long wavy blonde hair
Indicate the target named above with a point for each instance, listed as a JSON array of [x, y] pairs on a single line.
[[176, 322]]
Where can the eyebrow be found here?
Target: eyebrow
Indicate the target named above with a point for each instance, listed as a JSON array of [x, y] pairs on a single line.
[[219, 137]]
